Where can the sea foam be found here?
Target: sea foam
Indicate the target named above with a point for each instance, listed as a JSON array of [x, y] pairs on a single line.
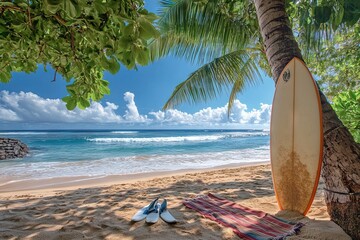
[[200, 138], [124, 132], [22, 133], [133, 164], [157, 139]]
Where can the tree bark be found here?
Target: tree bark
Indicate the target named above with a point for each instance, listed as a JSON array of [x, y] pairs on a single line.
[[341, 160]]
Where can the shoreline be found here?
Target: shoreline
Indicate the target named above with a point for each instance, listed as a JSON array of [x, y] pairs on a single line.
[[29, 186]]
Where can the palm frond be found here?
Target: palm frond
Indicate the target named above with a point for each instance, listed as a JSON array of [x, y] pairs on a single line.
[[197, 25], [250, 76], [184, 47], [212, 78]]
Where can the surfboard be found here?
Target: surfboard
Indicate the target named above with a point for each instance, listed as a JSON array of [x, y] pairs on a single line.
[[296, 138]]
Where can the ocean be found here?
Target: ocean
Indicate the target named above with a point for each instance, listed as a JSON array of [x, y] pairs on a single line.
[[99, 153]]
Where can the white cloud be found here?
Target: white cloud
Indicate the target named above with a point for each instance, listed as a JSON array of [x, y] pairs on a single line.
[[31, 108], [216, 116], [132, 114], [8, 115], [172, 116], [240, 114]]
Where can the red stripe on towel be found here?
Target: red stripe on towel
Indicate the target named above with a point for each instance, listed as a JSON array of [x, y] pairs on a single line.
[[247, 223]]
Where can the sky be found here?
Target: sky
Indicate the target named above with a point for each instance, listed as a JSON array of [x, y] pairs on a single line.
[[33, 101]]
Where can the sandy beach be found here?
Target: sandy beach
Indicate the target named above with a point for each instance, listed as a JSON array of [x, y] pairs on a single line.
[[103, 210]]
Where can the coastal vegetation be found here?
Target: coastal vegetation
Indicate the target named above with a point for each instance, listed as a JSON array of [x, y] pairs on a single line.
[[347, 106], [79, 39], [82, 39]]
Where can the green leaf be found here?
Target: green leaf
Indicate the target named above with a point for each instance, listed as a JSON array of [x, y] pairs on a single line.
[[96, 96], [338, 17], [100, 7], [129, 30], [71, 103], [143, 57], [114, 66], [128, 59], [83, 103], [63, 60], [110, 64], [67, 98], [104, 83], [104, 89], [352, 95], [124, 43], [322, 14], [151, 17], [147, 30], [72, 88], [52, 6], [5, 77], [104, 62], [72, 8], [3, 29]]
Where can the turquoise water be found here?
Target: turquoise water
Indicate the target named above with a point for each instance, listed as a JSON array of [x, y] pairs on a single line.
[[103, 153]]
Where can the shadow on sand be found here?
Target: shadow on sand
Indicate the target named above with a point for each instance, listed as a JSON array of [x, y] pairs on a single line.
[[105, 212]]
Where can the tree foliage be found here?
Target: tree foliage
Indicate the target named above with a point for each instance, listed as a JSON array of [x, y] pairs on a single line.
[[337, 64], [205, 31], [317, 22], [347, 107], [329, 35], [79, 39], [222, 36]]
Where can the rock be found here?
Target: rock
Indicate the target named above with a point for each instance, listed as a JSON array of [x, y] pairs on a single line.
[[12, 148]]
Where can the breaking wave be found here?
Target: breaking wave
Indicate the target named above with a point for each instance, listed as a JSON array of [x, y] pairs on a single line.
[[202, 138]]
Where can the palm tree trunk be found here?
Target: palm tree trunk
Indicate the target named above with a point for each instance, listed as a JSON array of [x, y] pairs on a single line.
[[341, 161]]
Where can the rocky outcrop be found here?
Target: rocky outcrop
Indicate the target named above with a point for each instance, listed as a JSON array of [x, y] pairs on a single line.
[[12, 148]]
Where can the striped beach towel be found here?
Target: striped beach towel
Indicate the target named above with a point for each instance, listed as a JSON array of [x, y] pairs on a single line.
[[245, 222]]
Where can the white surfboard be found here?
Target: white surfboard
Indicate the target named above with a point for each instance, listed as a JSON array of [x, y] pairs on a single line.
[[296, 138]]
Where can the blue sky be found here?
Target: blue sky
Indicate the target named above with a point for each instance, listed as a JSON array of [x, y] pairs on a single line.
[[30, 101]]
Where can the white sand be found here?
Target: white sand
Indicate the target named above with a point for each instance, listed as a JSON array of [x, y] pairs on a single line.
[[103, 209]]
